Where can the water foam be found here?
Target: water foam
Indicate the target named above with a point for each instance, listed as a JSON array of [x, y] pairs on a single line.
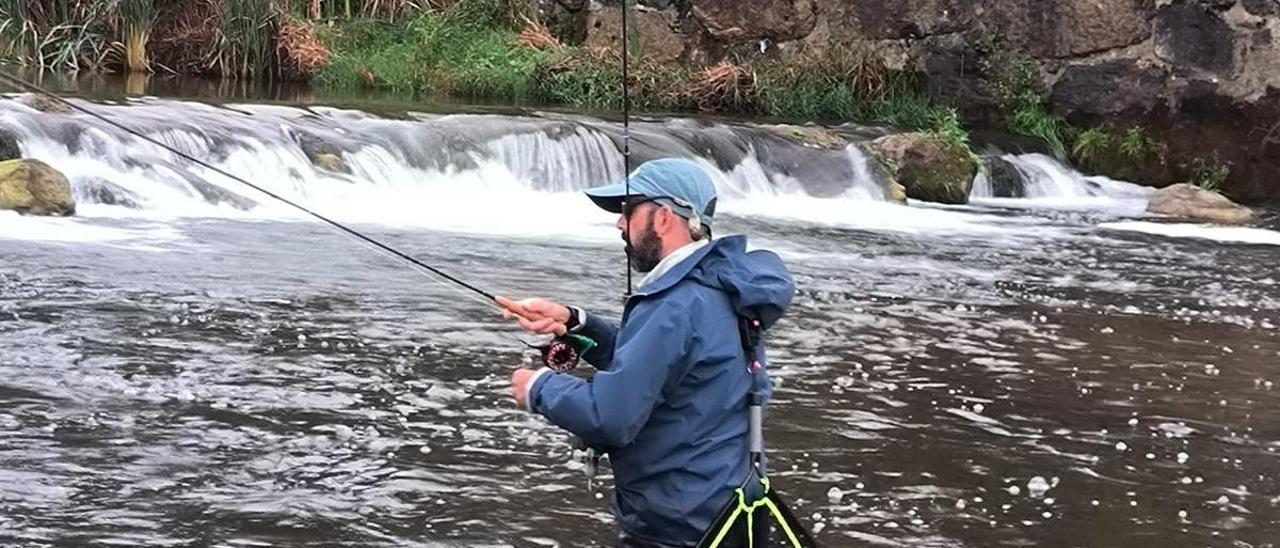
[[1227, 234]]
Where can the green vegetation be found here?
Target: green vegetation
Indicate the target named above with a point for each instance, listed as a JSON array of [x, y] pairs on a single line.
[[58, 34], [1012, 81], [1210, 176], [247, 38], [138, 17], [471, 50]]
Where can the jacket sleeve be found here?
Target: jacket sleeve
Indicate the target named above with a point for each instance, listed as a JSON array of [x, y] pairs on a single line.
[[610, 409], [604, 334]]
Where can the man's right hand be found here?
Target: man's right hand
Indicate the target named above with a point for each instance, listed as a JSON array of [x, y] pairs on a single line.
[[536, 315]]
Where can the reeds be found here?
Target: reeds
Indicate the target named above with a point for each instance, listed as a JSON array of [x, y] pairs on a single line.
[[137, 16], [62, 34], [17, 35], [246, 39]]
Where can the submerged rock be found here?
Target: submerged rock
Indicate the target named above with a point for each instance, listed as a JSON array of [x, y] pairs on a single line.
[[330, 162], [811, 136], [1188, 201], [33, 187], [930, 168], [1007, 181], [8, 146], [44, 103], [323, 154], [96, 190]]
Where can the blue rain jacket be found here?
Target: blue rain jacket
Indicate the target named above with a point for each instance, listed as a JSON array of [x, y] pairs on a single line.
[[668, 402]]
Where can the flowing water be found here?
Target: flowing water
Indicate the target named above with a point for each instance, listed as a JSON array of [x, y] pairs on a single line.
[[188, 363]]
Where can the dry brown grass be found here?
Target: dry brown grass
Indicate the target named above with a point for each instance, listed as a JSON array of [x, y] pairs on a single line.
[[855, 65], [184, 34], [536, 35], [721, 87], [302, 54]]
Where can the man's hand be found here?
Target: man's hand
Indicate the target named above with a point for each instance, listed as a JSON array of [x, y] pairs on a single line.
[[536, 315], [520, 385]]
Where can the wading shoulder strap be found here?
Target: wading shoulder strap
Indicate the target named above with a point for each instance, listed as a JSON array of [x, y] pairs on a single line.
[[771, 505]]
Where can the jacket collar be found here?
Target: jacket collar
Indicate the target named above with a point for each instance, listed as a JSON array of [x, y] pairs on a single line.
[[672, 259], [681, 270]]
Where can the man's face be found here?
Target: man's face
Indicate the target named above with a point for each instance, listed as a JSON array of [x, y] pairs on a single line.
[[643, 244]]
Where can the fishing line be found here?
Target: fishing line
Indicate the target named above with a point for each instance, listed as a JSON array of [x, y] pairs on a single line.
[[434, 273]]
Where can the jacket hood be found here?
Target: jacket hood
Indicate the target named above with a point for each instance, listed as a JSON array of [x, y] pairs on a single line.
[[757, 282]]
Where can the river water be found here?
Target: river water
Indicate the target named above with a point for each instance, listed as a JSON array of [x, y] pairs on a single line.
[[187, 363]]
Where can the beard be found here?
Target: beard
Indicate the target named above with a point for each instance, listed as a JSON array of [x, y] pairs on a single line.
[[645, 253]]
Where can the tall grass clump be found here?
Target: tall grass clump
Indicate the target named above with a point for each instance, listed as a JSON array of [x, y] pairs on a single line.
[[17, 32], [246, 40], [851, 82], [137, 17], [56, 34]]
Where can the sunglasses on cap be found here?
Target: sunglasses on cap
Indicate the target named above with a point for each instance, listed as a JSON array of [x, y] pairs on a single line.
[[632, 202]]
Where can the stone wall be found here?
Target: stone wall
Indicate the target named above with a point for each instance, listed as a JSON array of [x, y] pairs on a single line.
[[1201, 75]]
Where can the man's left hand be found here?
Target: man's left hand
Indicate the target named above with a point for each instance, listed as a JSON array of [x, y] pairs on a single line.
[[520, 381]]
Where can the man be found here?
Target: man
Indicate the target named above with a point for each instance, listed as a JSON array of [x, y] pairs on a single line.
[[668, 400]]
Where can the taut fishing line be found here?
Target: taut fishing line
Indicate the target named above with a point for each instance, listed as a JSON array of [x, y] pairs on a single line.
[[561, 354]]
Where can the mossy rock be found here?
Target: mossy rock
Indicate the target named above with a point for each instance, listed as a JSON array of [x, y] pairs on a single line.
[[930, 168], [33, 187]]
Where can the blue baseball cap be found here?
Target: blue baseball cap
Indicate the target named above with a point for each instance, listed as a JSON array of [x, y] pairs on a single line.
[[678, 183]]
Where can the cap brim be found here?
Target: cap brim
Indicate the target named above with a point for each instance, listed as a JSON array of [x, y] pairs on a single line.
[[610, 197]]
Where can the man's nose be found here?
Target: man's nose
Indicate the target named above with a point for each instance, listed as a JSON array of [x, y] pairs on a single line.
[[622, 222]]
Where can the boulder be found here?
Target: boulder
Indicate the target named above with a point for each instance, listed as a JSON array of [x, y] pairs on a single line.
[[1007, 181], [97, 190], [1069, 28], [903, 19], [1108, 87], [331, 162], [658, 32], [1192, 35], [33, 187], [931, 169], [897, 193], [566, 19], [1188, 201], [323, 154], [738, 21], [1261, 8], [9, 146]]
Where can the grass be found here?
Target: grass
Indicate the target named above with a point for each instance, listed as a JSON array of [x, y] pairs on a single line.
[[474, 50], [1030, 117], [1210, 175], [448, 53], [246, 39], [58, 34], [1091, 145], [138, 17]]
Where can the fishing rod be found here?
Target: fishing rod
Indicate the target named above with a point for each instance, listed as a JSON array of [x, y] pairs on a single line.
[[561, 353], [626, 141]]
